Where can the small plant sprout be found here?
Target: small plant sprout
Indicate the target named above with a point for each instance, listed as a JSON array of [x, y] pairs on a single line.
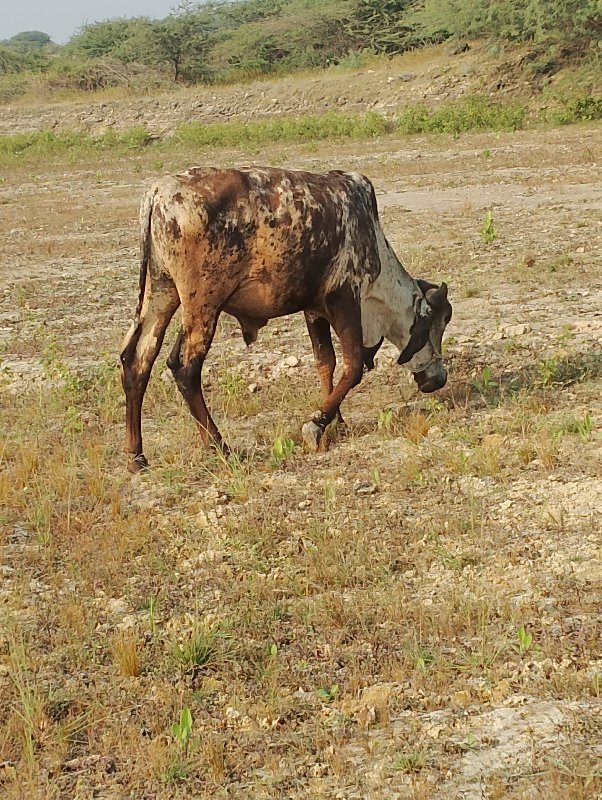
[[423, 658], [152, 608], [582, 427], [182, 730], [485, 382], [468, 743], [385, 420], [488, 232], [410, 762], [73, 421], [330, 491], [328, 693], [283, 448], [547, 370], [525, 640]]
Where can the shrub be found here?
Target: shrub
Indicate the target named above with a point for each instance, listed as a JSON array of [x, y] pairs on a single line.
[[473, 113], [334, 125], [580, 109]]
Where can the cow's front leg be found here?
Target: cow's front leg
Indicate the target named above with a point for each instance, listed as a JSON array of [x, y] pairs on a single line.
[[346, 316], [324, 355], [186, 362]]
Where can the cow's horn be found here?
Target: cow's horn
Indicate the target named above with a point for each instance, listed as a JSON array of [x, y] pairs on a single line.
[[437, 297]]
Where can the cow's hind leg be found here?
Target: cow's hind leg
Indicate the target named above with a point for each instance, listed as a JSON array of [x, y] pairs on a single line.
[[344, 309], [140, 349], [186, 362], [324, 355]]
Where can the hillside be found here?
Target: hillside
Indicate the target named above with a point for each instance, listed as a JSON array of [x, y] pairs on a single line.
[[431, 75], [227, 42]]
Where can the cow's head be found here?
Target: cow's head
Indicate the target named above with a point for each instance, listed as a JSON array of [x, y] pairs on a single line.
[[422, 354]]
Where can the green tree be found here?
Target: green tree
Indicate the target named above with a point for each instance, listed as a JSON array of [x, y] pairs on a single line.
[[100, 39], [30, 40], [183, 39]]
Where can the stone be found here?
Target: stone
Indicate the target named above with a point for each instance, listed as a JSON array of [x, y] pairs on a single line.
[[455, 48]]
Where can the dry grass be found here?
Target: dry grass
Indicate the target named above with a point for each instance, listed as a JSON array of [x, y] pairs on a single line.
[[327, 642]]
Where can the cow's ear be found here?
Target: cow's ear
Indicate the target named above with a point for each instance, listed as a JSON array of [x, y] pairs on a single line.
[[425, 285], [436, 297]]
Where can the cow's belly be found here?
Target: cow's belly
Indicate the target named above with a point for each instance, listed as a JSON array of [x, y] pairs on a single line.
[[263, 300]]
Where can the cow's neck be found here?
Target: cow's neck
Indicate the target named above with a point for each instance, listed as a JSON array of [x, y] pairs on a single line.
[[388, 303]]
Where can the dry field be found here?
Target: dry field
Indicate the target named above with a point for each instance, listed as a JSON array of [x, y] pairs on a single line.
[[415, 613]]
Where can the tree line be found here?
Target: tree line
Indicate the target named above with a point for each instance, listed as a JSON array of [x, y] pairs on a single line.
[[225, 40]]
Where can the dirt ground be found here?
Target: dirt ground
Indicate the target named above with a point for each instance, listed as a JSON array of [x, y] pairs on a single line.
[[414, 613]]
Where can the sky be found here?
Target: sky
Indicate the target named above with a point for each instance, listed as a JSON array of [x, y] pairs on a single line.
[[61, 18]]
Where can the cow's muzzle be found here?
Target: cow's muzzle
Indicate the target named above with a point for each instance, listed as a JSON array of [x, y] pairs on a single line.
[[430, 383]]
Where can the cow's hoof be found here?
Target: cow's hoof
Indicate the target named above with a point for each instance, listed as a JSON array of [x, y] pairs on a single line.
[[138, 464], [312, 436]]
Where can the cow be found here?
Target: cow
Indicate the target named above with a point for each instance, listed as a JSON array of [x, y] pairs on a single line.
[[260, 243]]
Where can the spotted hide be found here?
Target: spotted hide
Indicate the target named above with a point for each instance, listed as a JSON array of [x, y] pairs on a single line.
[[260, 243]]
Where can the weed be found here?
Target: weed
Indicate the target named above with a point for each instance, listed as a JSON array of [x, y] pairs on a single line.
[[333, 125], [468, 743], [151, 605], [547, 371], [582, 427], [199, 651], [182, 730], [73, 421], [385, 420], [422, 658], [330, 492], [328, 693], [488, 232], [20, 296], [232, 384], [470, 114], [283, 448], [485, 384], [125, 654], [576, 109], [175, 772], [30, 705], [410, 762], [525, 640], [215, 755], [416, 426]]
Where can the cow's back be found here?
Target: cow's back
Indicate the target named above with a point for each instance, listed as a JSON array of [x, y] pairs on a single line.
[[283, 238]]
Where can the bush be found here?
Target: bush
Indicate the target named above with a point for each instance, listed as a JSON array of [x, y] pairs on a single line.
[[334, 125], [48, 143], [581, 109], [473, 113]]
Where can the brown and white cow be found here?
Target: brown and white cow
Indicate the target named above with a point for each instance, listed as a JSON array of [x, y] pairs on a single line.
[[260, 243]]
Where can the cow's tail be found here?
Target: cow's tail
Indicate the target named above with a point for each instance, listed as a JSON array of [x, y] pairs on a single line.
[[146, 209]]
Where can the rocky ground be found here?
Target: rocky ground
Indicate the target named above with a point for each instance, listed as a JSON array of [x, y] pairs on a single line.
[[414, 613]]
